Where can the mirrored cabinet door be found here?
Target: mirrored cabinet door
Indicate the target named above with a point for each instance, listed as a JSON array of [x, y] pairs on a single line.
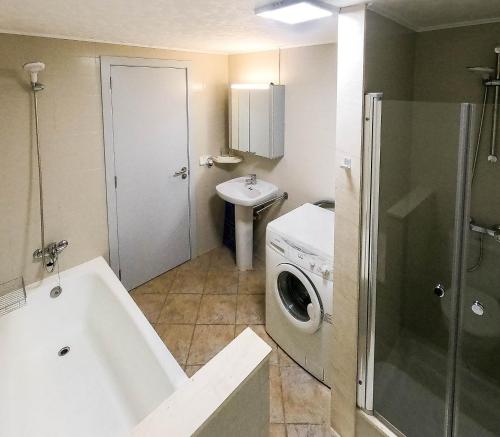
[[257, 118]]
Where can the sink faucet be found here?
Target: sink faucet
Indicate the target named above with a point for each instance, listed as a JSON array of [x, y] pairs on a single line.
[[251, 180]]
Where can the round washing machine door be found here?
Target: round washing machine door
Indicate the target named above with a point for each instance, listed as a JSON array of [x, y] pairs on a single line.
[[297, 298]]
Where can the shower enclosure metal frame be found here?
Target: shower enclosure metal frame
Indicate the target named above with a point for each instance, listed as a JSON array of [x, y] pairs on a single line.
[[368, 253]]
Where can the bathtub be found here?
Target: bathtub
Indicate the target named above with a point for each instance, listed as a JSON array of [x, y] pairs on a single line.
[[116, 370]]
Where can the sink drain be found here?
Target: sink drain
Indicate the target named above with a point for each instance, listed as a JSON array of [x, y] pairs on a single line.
[[63, 351]]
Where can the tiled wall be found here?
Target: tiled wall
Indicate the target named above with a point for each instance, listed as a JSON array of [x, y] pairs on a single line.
[[72, 148], [347, 220], [306, 170]]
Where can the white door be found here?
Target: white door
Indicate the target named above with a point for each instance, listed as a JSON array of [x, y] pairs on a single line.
[[150, 143]]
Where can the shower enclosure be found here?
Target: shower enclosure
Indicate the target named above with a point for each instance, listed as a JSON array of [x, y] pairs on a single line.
[[429, 361]]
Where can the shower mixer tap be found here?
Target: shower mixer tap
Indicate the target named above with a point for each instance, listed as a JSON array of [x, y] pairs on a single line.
[[492, 231], [52, 251]]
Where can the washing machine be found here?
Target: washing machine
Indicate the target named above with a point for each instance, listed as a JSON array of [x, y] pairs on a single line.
[[299, 287]]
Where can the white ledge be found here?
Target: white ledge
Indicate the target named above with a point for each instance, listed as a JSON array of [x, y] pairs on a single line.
[[196, 401]]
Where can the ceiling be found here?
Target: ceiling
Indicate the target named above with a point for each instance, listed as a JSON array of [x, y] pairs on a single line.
[[226, 26], [422, 15]]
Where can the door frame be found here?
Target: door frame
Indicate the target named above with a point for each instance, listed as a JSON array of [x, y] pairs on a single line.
[[109, 153]]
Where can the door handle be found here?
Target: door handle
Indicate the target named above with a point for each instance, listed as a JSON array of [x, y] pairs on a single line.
[[182, 172]]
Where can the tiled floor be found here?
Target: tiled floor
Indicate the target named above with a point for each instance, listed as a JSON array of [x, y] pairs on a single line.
[[200, 306]]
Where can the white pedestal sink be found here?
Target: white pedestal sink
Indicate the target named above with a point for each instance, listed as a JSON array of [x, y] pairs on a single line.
[[245, 196]]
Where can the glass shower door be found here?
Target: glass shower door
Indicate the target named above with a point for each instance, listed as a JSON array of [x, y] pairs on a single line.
[[417, 212], [477, 389]]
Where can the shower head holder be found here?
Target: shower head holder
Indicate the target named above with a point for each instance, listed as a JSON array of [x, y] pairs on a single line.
[[33, 68]]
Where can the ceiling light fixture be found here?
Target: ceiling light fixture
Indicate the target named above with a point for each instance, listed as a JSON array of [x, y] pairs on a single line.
[[250, 86], [296, 11]]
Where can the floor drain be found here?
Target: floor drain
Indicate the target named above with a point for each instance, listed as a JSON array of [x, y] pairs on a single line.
[[63, 351]]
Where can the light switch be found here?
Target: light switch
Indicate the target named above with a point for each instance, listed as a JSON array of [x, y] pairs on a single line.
[[346, 163]]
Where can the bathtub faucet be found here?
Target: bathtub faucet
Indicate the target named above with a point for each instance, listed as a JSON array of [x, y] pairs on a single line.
[[52, 251]]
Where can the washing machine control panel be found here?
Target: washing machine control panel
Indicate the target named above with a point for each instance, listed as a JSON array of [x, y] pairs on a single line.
[[303, 258]]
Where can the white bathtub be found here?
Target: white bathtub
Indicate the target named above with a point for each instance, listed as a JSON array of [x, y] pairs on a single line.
[[116, 373]]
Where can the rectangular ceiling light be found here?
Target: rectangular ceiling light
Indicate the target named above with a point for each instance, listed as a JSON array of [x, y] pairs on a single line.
[[296, 11], [250, 86]]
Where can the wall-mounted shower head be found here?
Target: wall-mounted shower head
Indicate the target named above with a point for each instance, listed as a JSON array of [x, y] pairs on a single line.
[[33, 68]]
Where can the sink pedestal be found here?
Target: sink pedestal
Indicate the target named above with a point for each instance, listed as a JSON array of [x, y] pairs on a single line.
[[243, 218], [245, 193]]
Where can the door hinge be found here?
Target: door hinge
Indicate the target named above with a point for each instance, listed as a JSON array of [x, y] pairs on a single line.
[[116, 182], [119, 274]]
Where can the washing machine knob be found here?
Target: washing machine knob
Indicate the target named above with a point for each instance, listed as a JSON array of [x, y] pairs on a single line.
[[324, 270]]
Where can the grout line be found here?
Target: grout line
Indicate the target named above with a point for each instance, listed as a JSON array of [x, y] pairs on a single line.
[[237, 300], [195, 323], [282, 398]]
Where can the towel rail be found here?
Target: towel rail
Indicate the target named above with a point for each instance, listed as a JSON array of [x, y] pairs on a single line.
[[258, 209]]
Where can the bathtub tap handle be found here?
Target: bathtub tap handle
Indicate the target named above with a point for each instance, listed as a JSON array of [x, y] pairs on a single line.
[[63, 244]]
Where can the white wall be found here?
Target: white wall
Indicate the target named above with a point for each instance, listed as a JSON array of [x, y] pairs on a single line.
[[73, 153], [306, 171]]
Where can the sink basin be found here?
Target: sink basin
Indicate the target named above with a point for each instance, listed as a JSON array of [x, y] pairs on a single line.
[[238, 192], [245, 196]]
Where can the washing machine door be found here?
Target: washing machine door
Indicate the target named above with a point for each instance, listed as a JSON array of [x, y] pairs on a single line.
[[297, 298]]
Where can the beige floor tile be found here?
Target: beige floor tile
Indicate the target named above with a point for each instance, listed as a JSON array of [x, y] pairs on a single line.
[[308, 430], [222, 259], [217, 309], [189, 281], [277, 430], [180, 308], [200, 264], [208, 340], [221, 282], [305, 399], [161, 284], [250, 309], [260, 330], [284, 360], [252, 282], [150, 305], [276, 396], [295, 396], [191, 370], [177, 338]]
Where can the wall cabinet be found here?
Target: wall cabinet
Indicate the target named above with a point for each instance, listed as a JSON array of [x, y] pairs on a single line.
[[257, 120]]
